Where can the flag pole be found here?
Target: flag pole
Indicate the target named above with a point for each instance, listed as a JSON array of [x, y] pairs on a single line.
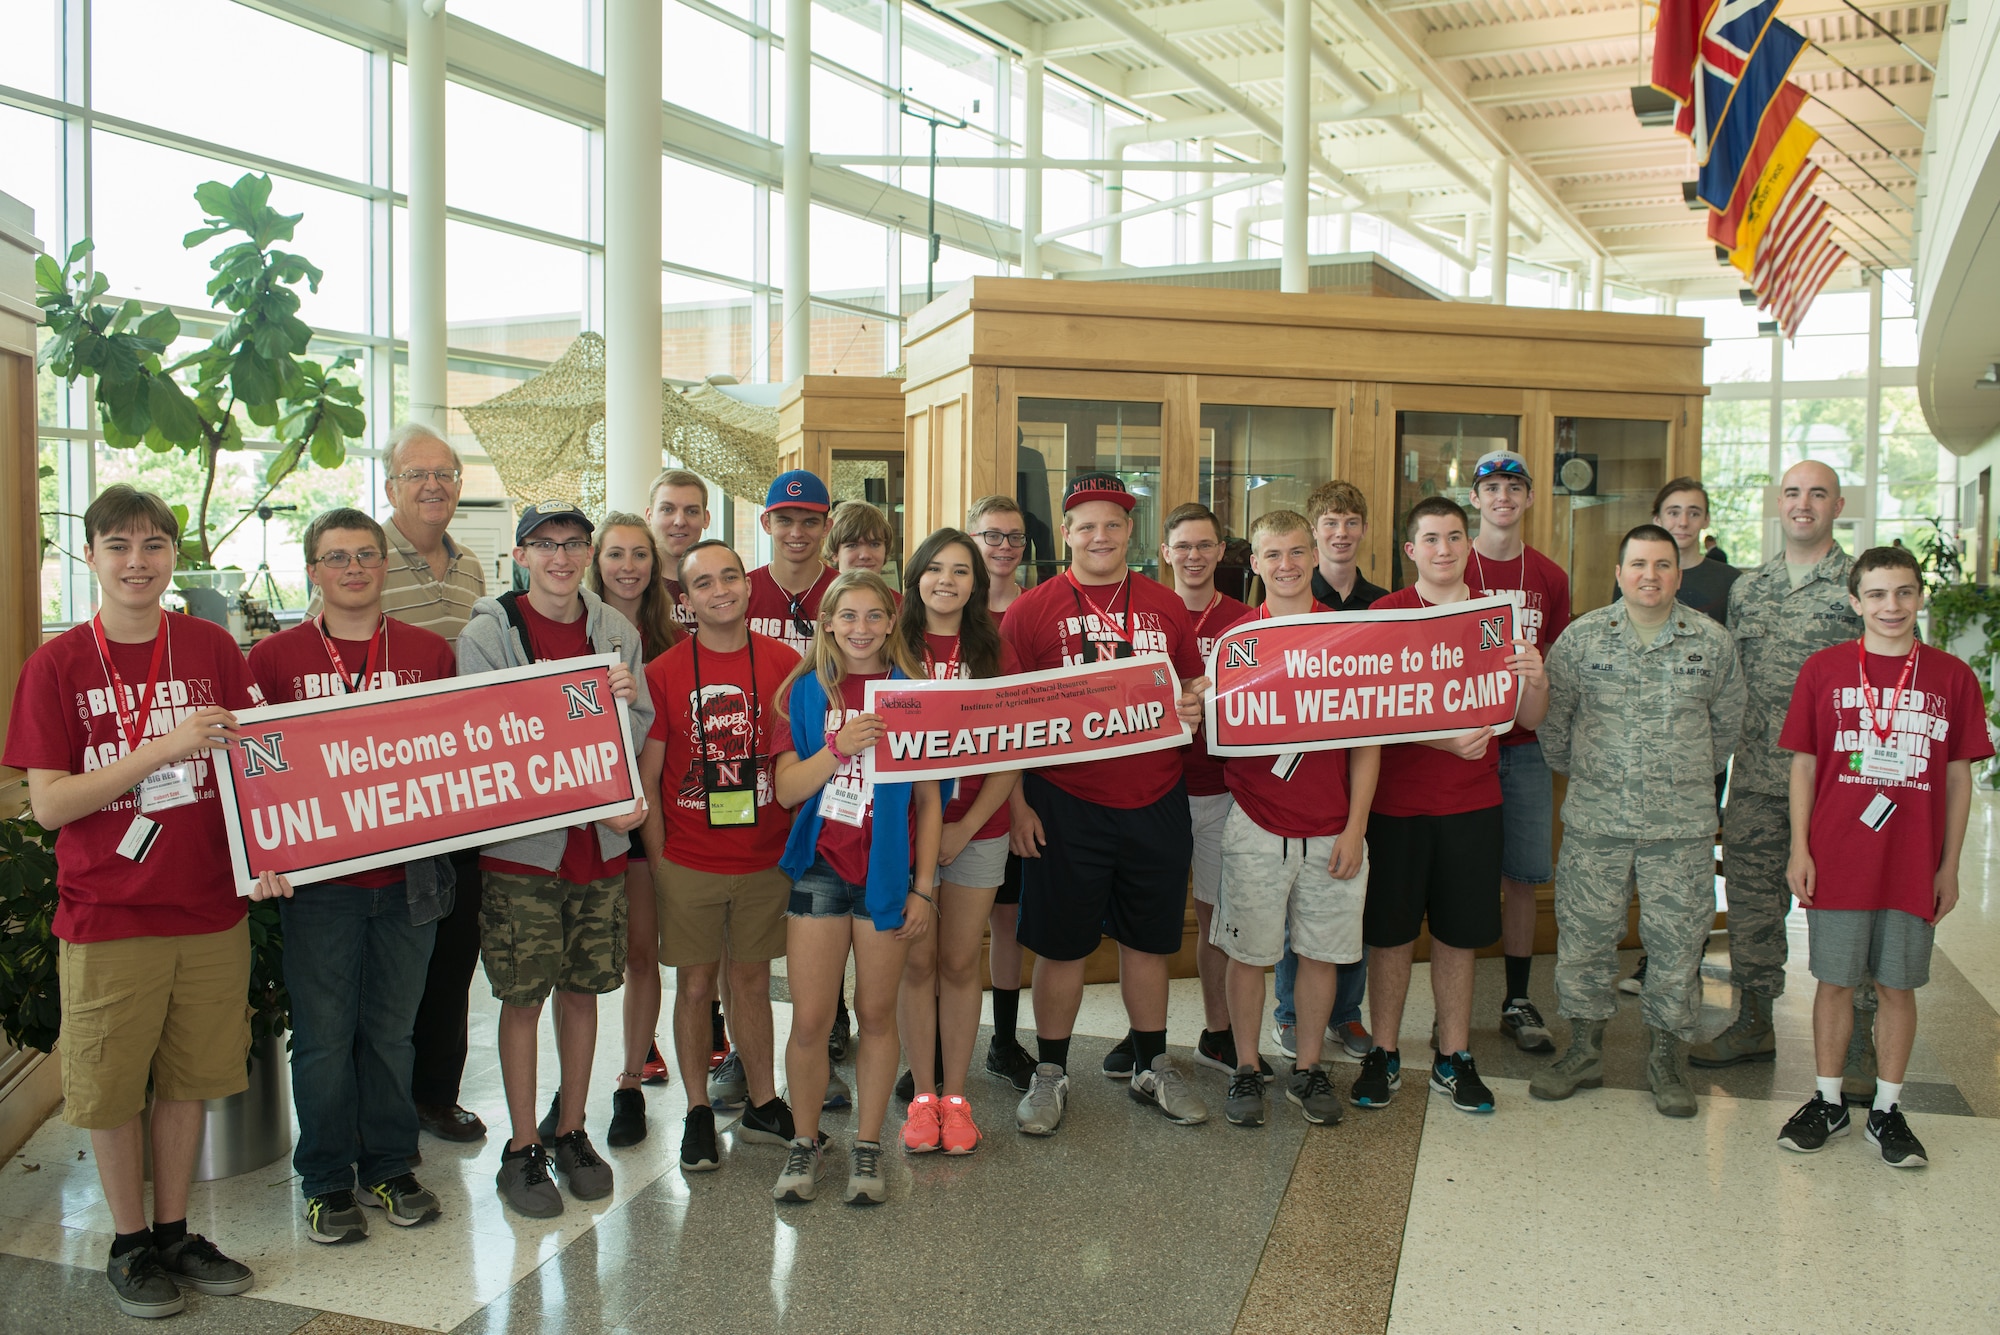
[[1915, 54], [1893, 104], [1870, 138]]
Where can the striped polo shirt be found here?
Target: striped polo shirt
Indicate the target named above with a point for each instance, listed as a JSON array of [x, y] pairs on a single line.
[[412, 596]]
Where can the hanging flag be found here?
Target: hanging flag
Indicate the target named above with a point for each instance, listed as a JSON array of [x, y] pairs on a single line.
[[1730, 34], [1774, 163], [1676, 44], [1782, 282], [1818, 269], [1753, 102], [1791, 231]]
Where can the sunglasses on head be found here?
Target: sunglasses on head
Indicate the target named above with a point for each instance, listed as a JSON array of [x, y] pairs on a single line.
[[1500, 467]]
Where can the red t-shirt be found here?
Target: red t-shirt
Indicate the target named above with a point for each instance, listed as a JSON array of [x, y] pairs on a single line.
[[1060, 623], [1420, 780], [1541, 590], [723, 707], [582, 860], [1223, 614], [1938, 718], [772, 609], [1310, 803], [295, 665], [64, 719], [683, 617], [941, 657], [844, 846]]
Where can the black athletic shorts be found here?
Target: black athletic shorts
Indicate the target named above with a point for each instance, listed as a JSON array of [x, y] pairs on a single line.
[[1105, 871], [1010, 884], [1444, 868]]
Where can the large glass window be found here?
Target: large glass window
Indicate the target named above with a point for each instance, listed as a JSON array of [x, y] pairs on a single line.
[[1736, 468], [1917, 477], [489, 143], [34, 169], [1435, 454], [552, 26], [704, 329], [707, 219], [709, 68], [1060, 439], [1258, 459], [30, 57]]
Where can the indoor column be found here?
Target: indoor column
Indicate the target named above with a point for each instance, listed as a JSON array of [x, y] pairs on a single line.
[[1292, 275], [798, 188], [424, 39], [1502, 221], [631, 252], [1031, 188], [1597, 282]]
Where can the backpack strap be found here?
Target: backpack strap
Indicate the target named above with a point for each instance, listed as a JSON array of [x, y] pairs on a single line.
[[510, 603]]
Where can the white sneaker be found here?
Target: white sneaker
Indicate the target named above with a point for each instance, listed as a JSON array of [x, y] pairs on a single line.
[[1163, 1086], [1041, 1108], [804, 1162]]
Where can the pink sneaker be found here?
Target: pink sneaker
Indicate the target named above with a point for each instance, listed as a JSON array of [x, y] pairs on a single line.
[[920, 1125], [960, 1134]]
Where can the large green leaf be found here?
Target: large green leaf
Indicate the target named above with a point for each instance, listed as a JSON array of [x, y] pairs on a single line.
[[282, 463], [199, 235], [351, 421], [328, 449], [80, 249], [48, 274], [162, 325], [217, 202], [173, 412], [253, 378]]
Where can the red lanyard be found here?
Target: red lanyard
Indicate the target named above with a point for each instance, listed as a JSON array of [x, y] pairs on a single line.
[[377, 647], [1103, 614], [147, 693], [1872, 711], [1200, 622], [950, 672]]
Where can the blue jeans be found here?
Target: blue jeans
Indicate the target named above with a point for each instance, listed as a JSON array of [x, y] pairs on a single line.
[[1350, 981], [355, 968]]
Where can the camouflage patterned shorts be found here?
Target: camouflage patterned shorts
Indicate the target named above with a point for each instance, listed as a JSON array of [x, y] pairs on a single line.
[[538, 934]]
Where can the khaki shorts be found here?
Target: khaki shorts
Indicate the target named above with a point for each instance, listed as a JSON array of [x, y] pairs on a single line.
[[538, 934], [698, 907], [175, 1008]]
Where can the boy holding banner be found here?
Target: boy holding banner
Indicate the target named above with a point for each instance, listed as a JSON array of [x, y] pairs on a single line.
[[1437, 838], [357, 950]]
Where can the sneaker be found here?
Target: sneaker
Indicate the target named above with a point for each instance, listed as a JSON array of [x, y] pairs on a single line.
[[143, 1288], [1355, 1041], [1041, 1108], [1118, 1062], [718, 1037], [906, 1088], [921, 1126], [864, 1175], [335, 1217], [546, 1128], [525, 1183], [840, 1042], [1216, 1049], [1381, 1076], [1520, 1021], [1892, 1135], [1636, 984], [727, 1085], [654, 1071], [196, 1263], [1244, 1104], [767, 1123], [1010, 1061], [1314, 1095], [958, 1133], [698, 1152], [586, 1175], [1283, 1037], [1815, 1123], [1457, 1076], [628, 1119], [838, 1096], [405, 1201], [1163, 1086], [804, 1162]]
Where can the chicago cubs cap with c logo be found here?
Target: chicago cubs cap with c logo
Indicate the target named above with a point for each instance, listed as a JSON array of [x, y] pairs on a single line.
[[799, 490], [541, 512]]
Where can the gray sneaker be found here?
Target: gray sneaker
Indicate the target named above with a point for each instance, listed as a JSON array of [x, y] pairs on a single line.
[[525, 1183], [334, 1217], [799, 1181], [1521, 1021], [1244, 1105], [1283, 1036], [727, 1085], [1314, 1095], [838, 1095], [1041, 1108], [1354, 1039], [1163, 1086], [196, 1263], [587, 1176], [864, 1175], [404, 1200], [142, 1287]]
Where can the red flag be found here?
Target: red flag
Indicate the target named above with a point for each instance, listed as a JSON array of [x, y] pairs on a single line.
[[1797, 216], [1723, 225], [1676, 40], [1811, 279]]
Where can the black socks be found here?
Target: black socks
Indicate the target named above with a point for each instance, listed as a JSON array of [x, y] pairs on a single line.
[[128, 1242], [1054, 1051], [1518, 968], [166, 1235], [1146, 1045], [1006, 1011]]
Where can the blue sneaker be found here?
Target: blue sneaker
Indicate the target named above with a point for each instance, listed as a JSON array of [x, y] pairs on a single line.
[[1381, 1076]]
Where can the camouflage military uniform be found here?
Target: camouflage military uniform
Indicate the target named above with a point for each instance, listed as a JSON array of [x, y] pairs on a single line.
[[1641, 729], [1776, 628]]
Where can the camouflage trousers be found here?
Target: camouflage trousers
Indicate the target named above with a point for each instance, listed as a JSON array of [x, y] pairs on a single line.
[[540, 934], [1594, 880], [1756, 844]]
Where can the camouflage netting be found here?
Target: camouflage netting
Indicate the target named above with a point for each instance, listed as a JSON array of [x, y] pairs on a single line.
[[546, 435]]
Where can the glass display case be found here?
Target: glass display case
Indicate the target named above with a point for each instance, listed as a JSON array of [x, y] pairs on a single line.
[[1435, 454], [1607, 472], [1059, 439]]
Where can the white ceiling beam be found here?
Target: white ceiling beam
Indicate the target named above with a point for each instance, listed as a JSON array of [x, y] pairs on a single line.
[[1511, 39], [1195, 18], [1596, 80]]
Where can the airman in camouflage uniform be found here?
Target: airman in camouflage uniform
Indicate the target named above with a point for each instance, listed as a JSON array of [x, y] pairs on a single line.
[[1641, 720]]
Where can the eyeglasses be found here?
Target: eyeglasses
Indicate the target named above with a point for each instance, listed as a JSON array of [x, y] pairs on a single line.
[[994, 537], [367, 558], [1183, 550], [574, 547], [419, 476], [1500, 468]]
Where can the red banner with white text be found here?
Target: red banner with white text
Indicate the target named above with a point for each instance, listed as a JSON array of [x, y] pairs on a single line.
[[324, 788], [1092, 711], [1341, 679]]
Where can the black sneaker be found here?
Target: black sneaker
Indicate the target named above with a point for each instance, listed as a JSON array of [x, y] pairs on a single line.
[[1892, 1135], [1216, 1049], [1118, 1062], [698, 1152], [525, 1184], [768, 1124], [628, 1119], [1007, 1059], [906, 1088], [1381, 1076], [142, 1286], [335, 1217], [546, 1128], [1814, 1124], [196, 1263], [1457, 1076]]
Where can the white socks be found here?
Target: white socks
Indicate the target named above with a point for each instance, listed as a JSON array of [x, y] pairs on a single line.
[[1829, 1088], [1887, 1094]]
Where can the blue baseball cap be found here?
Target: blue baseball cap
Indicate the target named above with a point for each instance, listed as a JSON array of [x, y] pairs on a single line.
[[541, 512], [798, 490]]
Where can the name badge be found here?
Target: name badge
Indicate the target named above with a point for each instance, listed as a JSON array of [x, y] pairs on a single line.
[[167, 787], [1878, 812], [728, 804], [848, 805], [1883, 762], [138, 840]]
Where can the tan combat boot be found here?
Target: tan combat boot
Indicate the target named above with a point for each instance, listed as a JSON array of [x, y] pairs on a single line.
[[1673, 1095], [1582, 1067], [1749, 1039], [1857, 1082]]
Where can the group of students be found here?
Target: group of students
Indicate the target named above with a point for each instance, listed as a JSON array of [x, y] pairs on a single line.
[[759, 834]]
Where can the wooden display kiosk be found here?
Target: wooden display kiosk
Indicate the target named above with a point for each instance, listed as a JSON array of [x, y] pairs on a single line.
[[1246, 401], [849, 430]]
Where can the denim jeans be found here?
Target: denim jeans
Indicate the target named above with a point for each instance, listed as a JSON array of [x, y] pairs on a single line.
[[1350, 980], [355, 968]]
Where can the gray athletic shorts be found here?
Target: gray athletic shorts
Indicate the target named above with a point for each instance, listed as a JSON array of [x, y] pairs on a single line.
[[1274, 887], [981, 865], [1850, 946], [1209, 813]]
